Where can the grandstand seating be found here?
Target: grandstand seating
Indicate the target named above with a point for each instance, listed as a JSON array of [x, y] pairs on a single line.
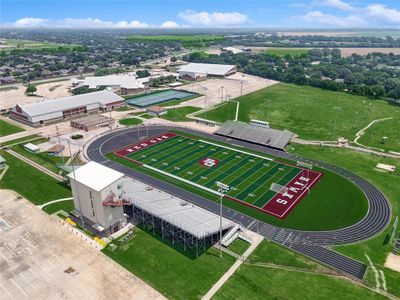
[[260, 135]]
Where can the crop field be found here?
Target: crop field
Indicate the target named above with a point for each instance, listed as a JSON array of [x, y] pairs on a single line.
[[286, 51], [27, 44], [186, 40], [316, 114], [301, 192]]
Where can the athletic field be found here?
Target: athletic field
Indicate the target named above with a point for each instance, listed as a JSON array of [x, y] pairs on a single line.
[[159, 97], [202, 164]]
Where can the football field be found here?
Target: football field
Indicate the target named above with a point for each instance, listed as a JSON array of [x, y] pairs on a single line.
[[254, 180]]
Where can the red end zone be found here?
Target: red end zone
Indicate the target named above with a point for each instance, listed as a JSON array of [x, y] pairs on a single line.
[[123, 152], [281, 204]]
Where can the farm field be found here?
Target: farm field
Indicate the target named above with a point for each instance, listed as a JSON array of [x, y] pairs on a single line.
[[187, 40], [7, 128], [364, 165], [286, 51], [312, 113], [27, 44], [166, 267], [250, 177]]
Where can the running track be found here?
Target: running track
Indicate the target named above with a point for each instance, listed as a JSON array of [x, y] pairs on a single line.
[[314, 244]]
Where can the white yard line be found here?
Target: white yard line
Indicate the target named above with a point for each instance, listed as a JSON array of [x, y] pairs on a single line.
[[237, 150]]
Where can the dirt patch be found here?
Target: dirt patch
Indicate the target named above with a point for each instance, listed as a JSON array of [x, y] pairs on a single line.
[[393, 262], [364, 51], [39, 259]]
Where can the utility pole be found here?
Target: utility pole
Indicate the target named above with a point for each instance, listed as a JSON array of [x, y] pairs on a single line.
[[222, 188], [337, 108], [241, 88], [59, 142]]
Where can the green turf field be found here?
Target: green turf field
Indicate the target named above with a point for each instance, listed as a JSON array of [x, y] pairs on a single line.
[[316, 114], [7, 128], [313, 213], [130, 121]]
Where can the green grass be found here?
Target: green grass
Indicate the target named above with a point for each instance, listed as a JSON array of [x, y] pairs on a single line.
[[313, 113], [169, 270], [313, 213], [146, 116], [390, 128], [67, 206], [179, 114], [255, 282], [286, 51], [32, 45], [7, 128], [30, 183], [239, 246], [186, 40], [270, 253], [130, 121], [364, 165], [34, 137]]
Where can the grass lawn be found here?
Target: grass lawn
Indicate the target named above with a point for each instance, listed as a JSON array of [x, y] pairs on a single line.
[[364, 165], [179, 114], [7, 128], [67, 206], [286, 51], [239, 246], [313, 213], [36, 138], [30, 183], [390, 128], [256, 282], [167, 268], [313, 113], [130, 121]]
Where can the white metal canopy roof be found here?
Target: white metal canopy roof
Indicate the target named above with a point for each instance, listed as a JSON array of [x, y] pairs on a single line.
[[186, 216], [210, 69], [95, 176], [123, 81]]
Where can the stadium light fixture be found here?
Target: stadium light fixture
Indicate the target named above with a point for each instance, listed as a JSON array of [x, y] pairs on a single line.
[[222, 188]]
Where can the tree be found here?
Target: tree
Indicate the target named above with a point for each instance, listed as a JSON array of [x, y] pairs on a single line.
[[31, 89]]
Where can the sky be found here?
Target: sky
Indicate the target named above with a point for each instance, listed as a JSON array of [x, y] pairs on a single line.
[[200, 14]]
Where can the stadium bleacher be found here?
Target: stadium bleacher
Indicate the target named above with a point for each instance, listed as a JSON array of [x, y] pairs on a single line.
[[255, 134]]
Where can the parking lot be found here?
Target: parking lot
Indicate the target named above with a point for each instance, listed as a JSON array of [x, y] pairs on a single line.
[[39, 259]]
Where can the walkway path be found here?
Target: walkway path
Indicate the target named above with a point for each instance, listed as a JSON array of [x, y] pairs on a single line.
[[361, 132], [41, 206], [256, 240]]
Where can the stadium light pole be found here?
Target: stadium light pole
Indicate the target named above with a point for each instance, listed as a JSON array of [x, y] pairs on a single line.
[[222, 188]]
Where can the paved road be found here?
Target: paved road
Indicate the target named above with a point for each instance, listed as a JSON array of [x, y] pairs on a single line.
[[314, 244]]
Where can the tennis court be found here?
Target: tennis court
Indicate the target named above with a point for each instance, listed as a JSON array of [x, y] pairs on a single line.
[[160, 97]]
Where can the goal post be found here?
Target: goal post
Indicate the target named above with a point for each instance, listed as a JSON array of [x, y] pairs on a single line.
[[278, 188]]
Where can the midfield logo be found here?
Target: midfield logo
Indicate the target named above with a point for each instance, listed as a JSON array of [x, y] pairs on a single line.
[[208, 162]]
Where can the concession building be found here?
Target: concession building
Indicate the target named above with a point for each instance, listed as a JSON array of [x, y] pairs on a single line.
[[52, 111], [196, 71]]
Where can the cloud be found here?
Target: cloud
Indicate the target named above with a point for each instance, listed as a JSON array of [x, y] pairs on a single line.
[[131, 24], [73, 23], [317, 17], [213, 19], [338, 4], [169, 25], [381, 12], [29, 22]]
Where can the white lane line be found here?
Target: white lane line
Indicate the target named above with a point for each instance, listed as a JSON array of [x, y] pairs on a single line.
[[28, 282], [18, 287]]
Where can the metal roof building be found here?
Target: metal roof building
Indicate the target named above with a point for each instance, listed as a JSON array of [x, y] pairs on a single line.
[[173, 217], [197, 70], [129, 82], [50, 111]]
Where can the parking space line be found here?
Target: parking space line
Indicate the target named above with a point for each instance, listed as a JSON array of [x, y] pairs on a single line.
[[22, 291], [9, 294]]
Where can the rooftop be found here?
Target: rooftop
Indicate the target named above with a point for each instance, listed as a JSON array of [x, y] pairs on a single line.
[[184, 215], [211, 69], [45, 107], [123, 81], [95, 176]]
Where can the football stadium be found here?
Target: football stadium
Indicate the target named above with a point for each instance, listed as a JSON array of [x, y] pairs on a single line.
[[160, 97], [299, 203]]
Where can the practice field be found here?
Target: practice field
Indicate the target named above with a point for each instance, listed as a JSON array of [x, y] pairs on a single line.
[[256, 181], [160, 97]]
